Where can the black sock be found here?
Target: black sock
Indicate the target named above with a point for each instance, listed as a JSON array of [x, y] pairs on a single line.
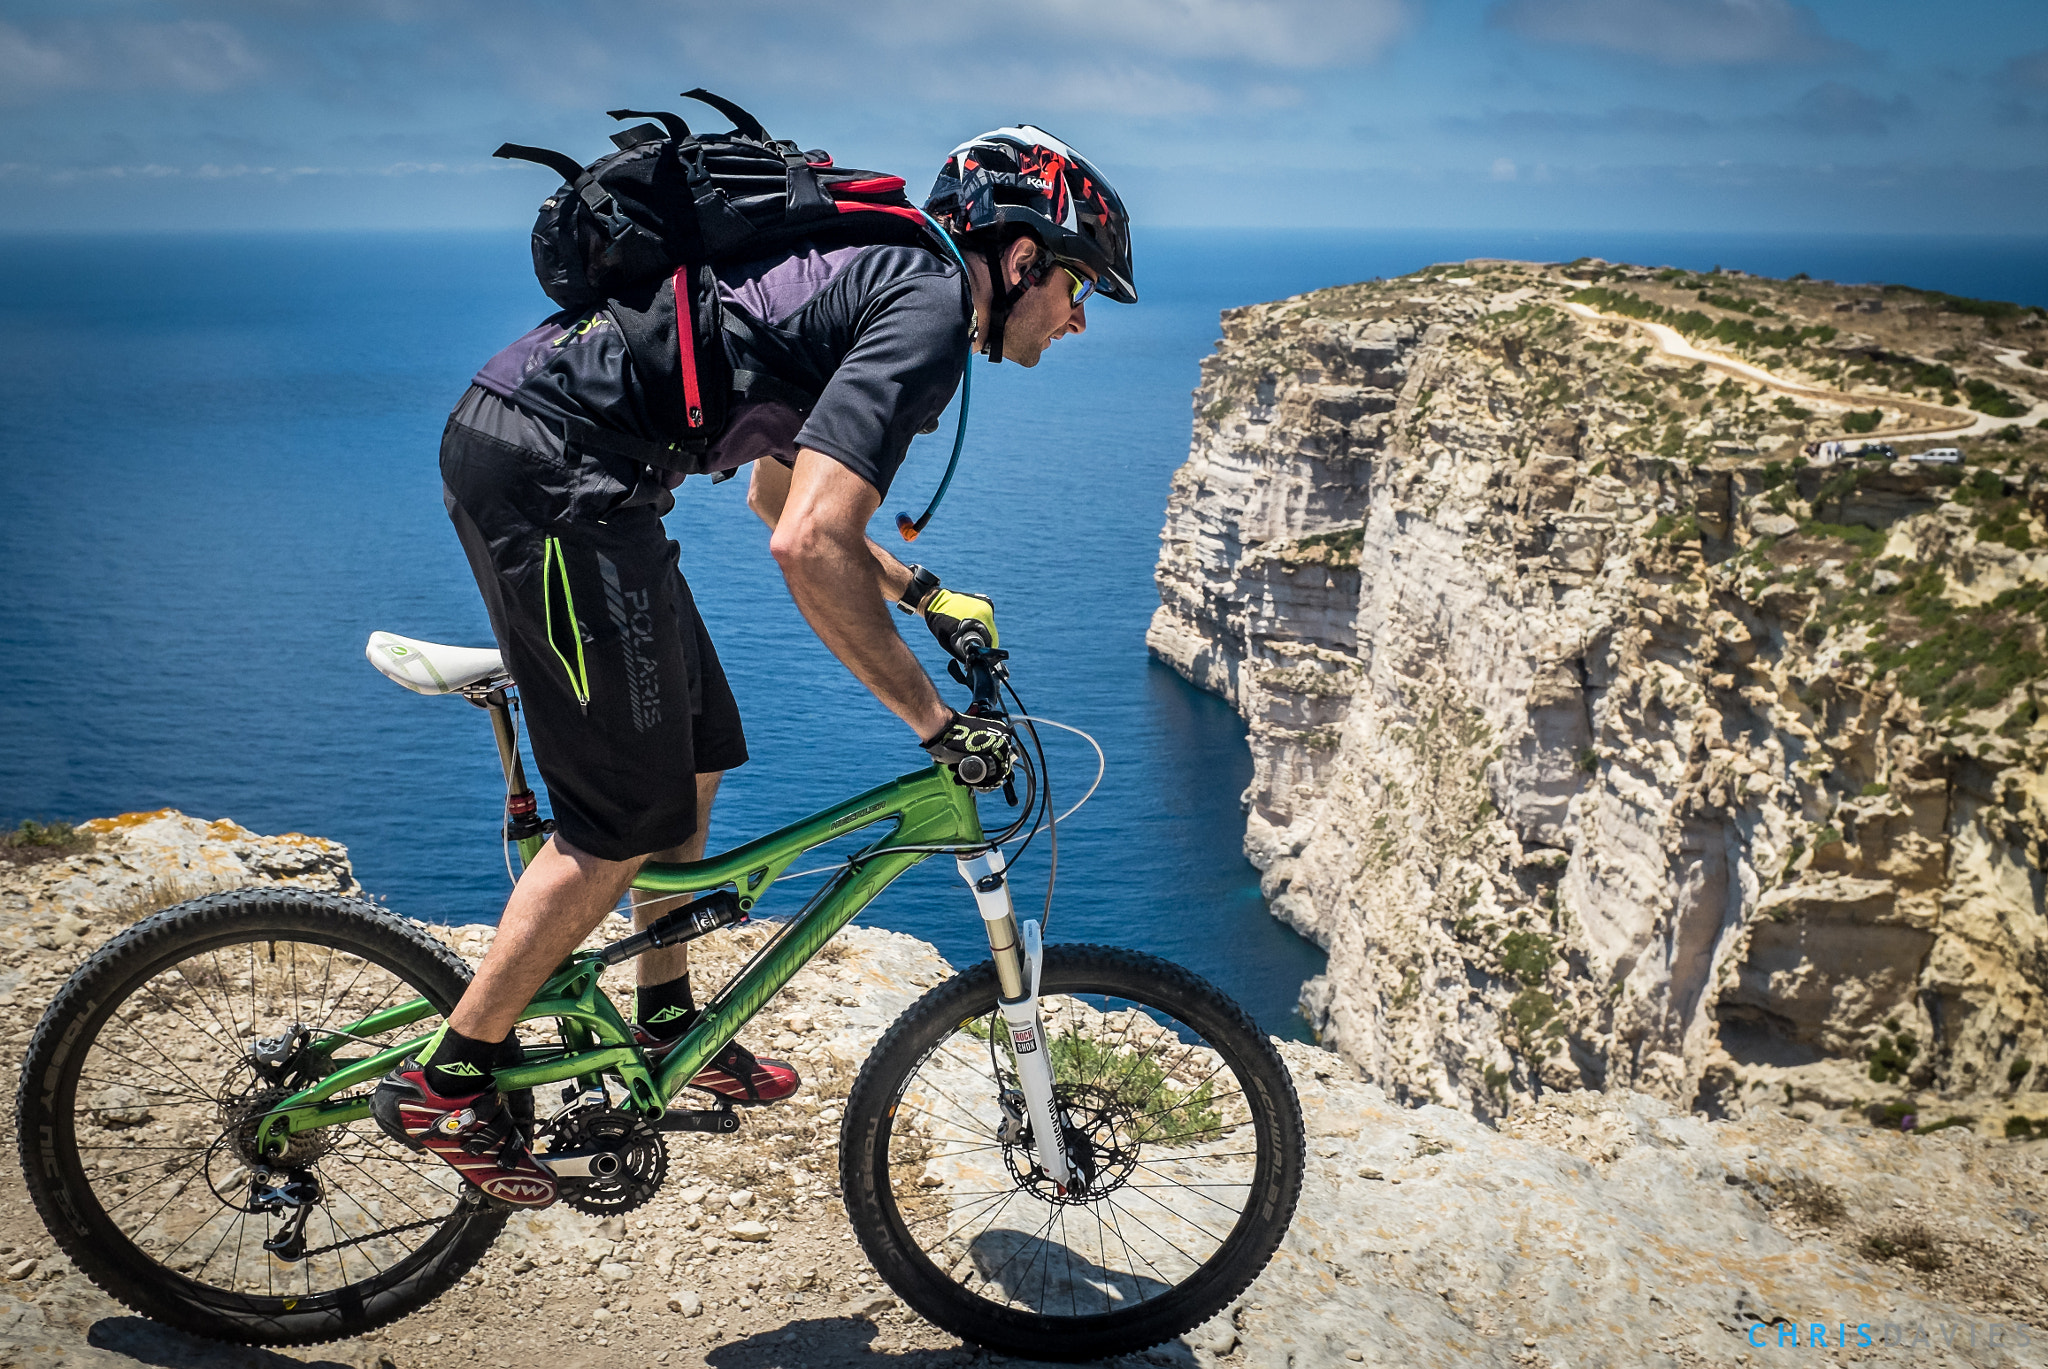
[[665, 1009], [460, 1065]]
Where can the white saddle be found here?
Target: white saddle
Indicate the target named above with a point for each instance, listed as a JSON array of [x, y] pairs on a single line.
[[429, 667]]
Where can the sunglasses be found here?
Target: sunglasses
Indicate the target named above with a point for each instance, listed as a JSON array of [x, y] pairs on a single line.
[[1082, 287]]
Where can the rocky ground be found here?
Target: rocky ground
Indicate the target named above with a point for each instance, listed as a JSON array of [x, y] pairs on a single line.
[[1591, 1230]]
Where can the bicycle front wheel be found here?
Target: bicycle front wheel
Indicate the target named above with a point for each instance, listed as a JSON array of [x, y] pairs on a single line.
[[1178, 1111], [148, 1079]]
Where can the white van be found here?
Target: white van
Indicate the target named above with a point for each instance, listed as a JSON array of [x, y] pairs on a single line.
[[1939, 456]]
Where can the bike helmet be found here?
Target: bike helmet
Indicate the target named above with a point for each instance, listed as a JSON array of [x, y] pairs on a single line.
[[1024, 176]]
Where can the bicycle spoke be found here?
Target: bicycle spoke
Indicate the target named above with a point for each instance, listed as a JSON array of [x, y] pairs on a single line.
[[1151, 1096]]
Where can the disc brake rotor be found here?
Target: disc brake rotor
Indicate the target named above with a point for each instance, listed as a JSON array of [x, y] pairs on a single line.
[[1101, 1146]]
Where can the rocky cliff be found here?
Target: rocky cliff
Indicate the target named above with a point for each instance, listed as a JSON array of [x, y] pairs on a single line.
[[1607, 732]]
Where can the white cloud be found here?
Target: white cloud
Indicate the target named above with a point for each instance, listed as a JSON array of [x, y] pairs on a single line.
[[1833, 108], [200, 57], [1677, 32], [1272, 33], [1503, 169]]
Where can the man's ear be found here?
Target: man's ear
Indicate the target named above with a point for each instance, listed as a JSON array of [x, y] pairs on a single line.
[[1016, 258]]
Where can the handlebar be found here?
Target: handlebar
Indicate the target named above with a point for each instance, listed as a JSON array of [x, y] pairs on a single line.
[[982, 672]]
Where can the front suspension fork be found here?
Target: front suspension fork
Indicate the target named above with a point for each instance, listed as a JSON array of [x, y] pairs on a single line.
[[1018, 960]]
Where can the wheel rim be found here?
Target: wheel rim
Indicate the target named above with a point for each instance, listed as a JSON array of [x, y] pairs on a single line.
[[164, 1106], [1159, 1119]]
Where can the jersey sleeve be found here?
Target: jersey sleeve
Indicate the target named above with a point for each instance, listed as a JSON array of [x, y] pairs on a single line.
[[909, 348]]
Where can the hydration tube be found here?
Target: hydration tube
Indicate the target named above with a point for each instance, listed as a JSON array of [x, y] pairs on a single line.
[[904, 524]]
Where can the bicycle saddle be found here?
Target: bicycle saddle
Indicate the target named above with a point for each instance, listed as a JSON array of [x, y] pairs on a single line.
[[429, 667]]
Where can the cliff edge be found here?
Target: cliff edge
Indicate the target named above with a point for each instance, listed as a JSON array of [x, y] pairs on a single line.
[[1591, 1229], [1613, 728]]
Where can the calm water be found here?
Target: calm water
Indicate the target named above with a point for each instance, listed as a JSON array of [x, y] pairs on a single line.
[[218, 461]]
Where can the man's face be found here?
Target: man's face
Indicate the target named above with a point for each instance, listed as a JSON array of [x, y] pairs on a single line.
[[1045, 314]]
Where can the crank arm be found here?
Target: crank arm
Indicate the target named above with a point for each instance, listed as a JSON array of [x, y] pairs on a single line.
[[709, 1119], [583, 1164]]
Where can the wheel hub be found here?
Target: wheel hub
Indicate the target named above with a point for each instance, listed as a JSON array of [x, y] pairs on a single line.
[[241, 1119], [1101, 1149]]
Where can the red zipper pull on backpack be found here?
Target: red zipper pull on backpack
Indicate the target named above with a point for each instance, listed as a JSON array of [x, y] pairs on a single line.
[[686, 348]]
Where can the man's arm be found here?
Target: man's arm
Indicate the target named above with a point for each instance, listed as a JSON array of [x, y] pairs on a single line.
[[767, 494], [842, 582]]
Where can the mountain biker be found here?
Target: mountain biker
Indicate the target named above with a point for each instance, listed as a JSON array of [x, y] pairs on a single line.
[[549, 479]]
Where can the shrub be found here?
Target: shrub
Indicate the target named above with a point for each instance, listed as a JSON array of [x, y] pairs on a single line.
[[1891, 1056], [1867, 541], [2017, 1070], [1526, 956], [2019, 1128], [39, 841], [1911, 1244], [1811, 1200], [1862, 421], [1529, 1010], [1987, 398]]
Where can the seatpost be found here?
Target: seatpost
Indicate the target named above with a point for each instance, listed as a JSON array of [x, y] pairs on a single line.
[[522, 812]]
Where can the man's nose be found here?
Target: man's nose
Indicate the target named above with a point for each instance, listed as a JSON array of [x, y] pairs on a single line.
[[1077, 319]]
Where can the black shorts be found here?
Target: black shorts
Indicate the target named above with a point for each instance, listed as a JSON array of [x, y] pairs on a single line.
[[624, 698]]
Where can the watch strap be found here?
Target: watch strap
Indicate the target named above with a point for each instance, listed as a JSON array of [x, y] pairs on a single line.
[[922, 583]]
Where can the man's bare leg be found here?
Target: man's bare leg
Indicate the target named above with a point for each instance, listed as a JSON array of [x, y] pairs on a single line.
[[562, 895], [673, 962]]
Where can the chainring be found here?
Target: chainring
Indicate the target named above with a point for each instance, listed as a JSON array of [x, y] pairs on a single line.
[[643, 1157]]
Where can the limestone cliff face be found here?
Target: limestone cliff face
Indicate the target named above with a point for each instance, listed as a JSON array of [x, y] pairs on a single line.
[[1601, 739]]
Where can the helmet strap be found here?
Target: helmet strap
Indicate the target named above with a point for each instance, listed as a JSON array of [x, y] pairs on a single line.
[[999, 306]]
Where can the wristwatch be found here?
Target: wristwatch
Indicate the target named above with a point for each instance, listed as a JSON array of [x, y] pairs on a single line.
[[922, 583]]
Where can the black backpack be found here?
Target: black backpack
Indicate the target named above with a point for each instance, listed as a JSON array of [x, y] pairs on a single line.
[[667, 209]]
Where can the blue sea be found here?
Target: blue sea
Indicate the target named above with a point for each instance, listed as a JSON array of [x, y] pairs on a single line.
[[217, 458]]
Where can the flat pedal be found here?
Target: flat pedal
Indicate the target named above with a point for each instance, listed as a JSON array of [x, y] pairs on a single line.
[[706, 1119]]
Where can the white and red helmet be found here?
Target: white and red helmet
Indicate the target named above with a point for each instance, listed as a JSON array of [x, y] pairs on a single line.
[[1024, 175]]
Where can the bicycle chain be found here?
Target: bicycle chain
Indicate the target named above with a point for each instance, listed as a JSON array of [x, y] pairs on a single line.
[[387, 1231]]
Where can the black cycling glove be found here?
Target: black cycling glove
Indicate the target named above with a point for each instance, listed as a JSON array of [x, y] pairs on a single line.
[[980, 750]]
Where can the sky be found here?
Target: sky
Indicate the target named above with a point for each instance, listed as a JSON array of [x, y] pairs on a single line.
[[1716, 115]]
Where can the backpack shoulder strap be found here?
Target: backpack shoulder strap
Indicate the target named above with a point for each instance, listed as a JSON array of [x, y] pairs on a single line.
[[560, 162], [743, 123], [678, 131]]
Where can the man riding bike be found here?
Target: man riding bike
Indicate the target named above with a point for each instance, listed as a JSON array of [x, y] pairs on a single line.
[[631, 720]]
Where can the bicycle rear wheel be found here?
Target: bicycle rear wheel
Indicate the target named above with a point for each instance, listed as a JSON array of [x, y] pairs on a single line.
[[141, 1096], [1181, 1113]]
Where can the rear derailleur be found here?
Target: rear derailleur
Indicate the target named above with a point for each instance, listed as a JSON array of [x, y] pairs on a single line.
[[294, 1192]]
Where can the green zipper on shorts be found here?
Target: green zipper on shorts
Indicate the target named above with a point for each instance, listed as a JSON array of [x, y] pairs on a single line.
[[553, 563]]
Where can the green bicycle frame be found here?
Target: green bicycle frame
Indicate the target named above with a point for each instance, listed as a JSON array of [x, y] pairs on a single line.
[[929, 808]]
